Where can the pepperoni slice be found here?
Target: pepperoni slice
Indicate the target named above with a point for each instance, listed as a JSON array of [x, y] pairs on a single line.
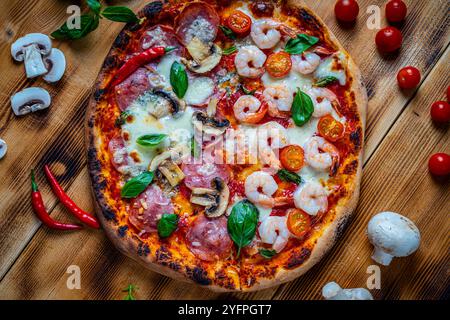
[[197, 19], [201, 175], [208, 239], [159, 35], [132, 87], [148, 208]]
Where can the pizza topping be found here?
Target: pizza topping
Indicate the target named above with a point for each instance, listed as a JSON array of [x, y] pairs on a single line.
[[292, 157], [408, 77], [30, 48], [330, 128], [178, 79], [159, 36], [30, 100], [278, 64], [131, 88], [249, 109], [300, 44], [440, 112], [171, 172], [205, 56], [392, 235], [208, 239], [311, 198], [199, 91], [262, 8], [396, 11], [439, 164], [148, 208], [239, 22], [346, 10], [305, 63], [136, 185], [242, 223], [332, 291], [323, 100], [201, 175], [279, 100], [302, 108], [260, 187], [167, 224], [250, 61], [389, 39], [289, 176], [335, 66], [214, 200], [265, 33], [298, 222], [209, 126], [321, 154], [273, 230]]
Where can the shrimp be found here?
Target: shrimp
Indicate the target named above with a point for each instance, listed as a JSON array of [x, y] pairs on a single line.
[[323, 100], [273, 230], [249, 109], [271, 137], [305, 63], [259, 188], [279, 99], [311, 198], [321, 154], [265, 33], [249, 62]]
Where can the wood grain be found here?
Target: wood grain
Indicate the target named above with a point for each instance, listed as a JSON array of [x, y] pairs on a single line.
[[400, 137]]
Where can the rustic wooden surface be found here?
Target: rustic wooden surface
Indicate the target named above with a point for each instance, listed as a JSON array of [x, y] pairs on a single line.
[[400, 138]]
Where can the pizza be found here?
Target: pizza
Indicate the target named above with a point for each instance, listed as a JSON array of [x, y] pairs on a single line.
[[225, 141]]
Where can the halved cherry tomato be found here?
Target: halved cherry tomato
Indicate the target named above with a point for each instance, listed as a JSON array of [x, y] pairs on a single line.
[[292, 157], [279, 64], [439, 164], [239, 22], [298, 222], [408, 77], [330, 128]]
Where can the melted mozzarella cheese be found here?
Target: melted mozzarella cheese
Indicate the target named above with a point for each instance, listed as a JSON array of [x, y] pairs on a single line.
[[327, 68], [165, 64], [292, 81], [199, 90]]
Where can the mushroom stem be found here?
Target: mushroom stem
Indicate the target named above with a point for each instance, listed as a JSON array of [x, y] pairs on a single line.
[[34, 65], [381, 257]]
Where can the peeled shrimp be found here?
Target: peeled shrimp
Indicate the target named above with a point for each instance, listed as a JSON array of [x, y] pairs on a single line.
[[265, 34], [305, 63], [321, 154], [249, 62], [248, 109], [323, 101], [311, 198], [273, 230], [279, 99], [259, 188]]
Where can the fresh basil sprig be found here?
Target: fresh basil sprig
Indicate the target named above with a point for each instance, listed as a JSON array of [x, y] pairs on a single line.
[[323, 82], [119, 14], [178, 79], [228, 32], [302, 108], [289, 176], [267, 253], [167, 224], [300, 44], [94, 5], [151, 140], [242, 223], [229, 50], [135, 186]]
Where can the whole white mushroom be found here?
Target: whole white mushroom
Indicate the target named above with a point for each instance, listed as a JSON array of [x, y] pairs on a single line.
[[332, 291], [392, 235]]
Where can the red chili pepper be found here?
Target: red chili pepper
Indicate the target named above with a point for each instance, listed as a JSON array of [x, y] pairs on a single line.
[[138, 60], [83, 216], [41, 212]]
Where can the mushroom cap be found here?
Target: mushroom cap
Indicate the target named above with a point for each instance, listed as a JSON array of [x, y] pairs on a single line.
[[41, 40], [30, 100], [56, 65], [393, 233], [3, 148]]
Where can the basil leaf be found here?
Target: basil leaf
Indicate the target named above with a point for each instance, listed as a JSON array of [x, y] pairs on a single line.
[[289, 176], [122, 118], [248, 92], [229, 50], [94, 5], [129, 290], [195, 152], [228, 32], [167, 224], [267, 253], [135, 186], [119, 14], [302, 108], [323, 82], [300, 44], [88, 23], [178, 79], [151, 140], [242, 223]]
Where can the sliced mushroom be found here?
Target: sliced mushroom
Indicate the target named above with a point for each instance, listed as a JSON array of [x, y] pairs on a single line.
[[209, 125], [176, 154], [215, 200], [30, 100], [205, 56], [3, 148], [175, 106], [56, 65], [30, 49], [172, 172]]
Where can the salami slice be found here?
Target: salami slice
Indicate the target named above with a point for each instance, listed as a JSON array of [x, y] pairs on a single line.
[[199, 20], [148, 208], [135, 85], [201, 175], [159, 35], [119, 155], [208, 239]]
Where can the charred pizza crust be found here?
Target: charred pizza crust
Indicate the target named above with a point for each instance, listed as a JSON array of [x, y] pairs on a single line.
[[220, 277]]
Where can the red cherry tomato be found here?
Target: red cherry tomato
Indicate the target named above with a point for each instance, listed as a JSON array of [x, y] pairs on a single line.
[[298, 222], [396, 11], [292, 157], [440, 112], [439, 164], [278, 64], [389, 39], [330, 128], [408, 77], [346, 10], [239, 22]]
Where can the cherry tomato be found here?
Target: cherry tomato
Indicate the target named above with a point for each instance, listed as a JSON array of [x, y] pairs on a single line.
[[239, 22], [346, 10], [396, 11], [279, 64], [298, 222], [408, 77], [389, 39], [440, 112], [439, 164], [330, 128], [292, 157]]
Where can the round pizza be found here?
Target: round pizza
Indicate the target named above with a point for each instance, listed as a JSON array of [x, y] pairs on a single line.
[[225, 141]]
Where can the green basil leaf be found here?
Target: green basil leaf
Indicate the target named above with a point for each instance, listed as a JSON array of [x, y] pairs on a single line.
[[248, 92], [195, 150], [151, 140], [300, 44], [229, 50], [122, 119], [167, 224], [94, 5], [323, 82], [88, 23], [242, 223], [178, 79], [302, 108], [119, 14], [267, 253], [228, 32], [135, 186], [289, 176]]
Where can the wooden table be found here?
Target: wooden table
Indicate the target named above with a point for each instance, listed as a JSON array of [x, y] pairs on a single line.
[[400, 138]]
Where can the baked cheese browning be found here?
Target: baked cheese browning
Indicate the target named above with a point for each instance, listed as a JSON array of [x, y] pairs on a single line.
[[152, 121]]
